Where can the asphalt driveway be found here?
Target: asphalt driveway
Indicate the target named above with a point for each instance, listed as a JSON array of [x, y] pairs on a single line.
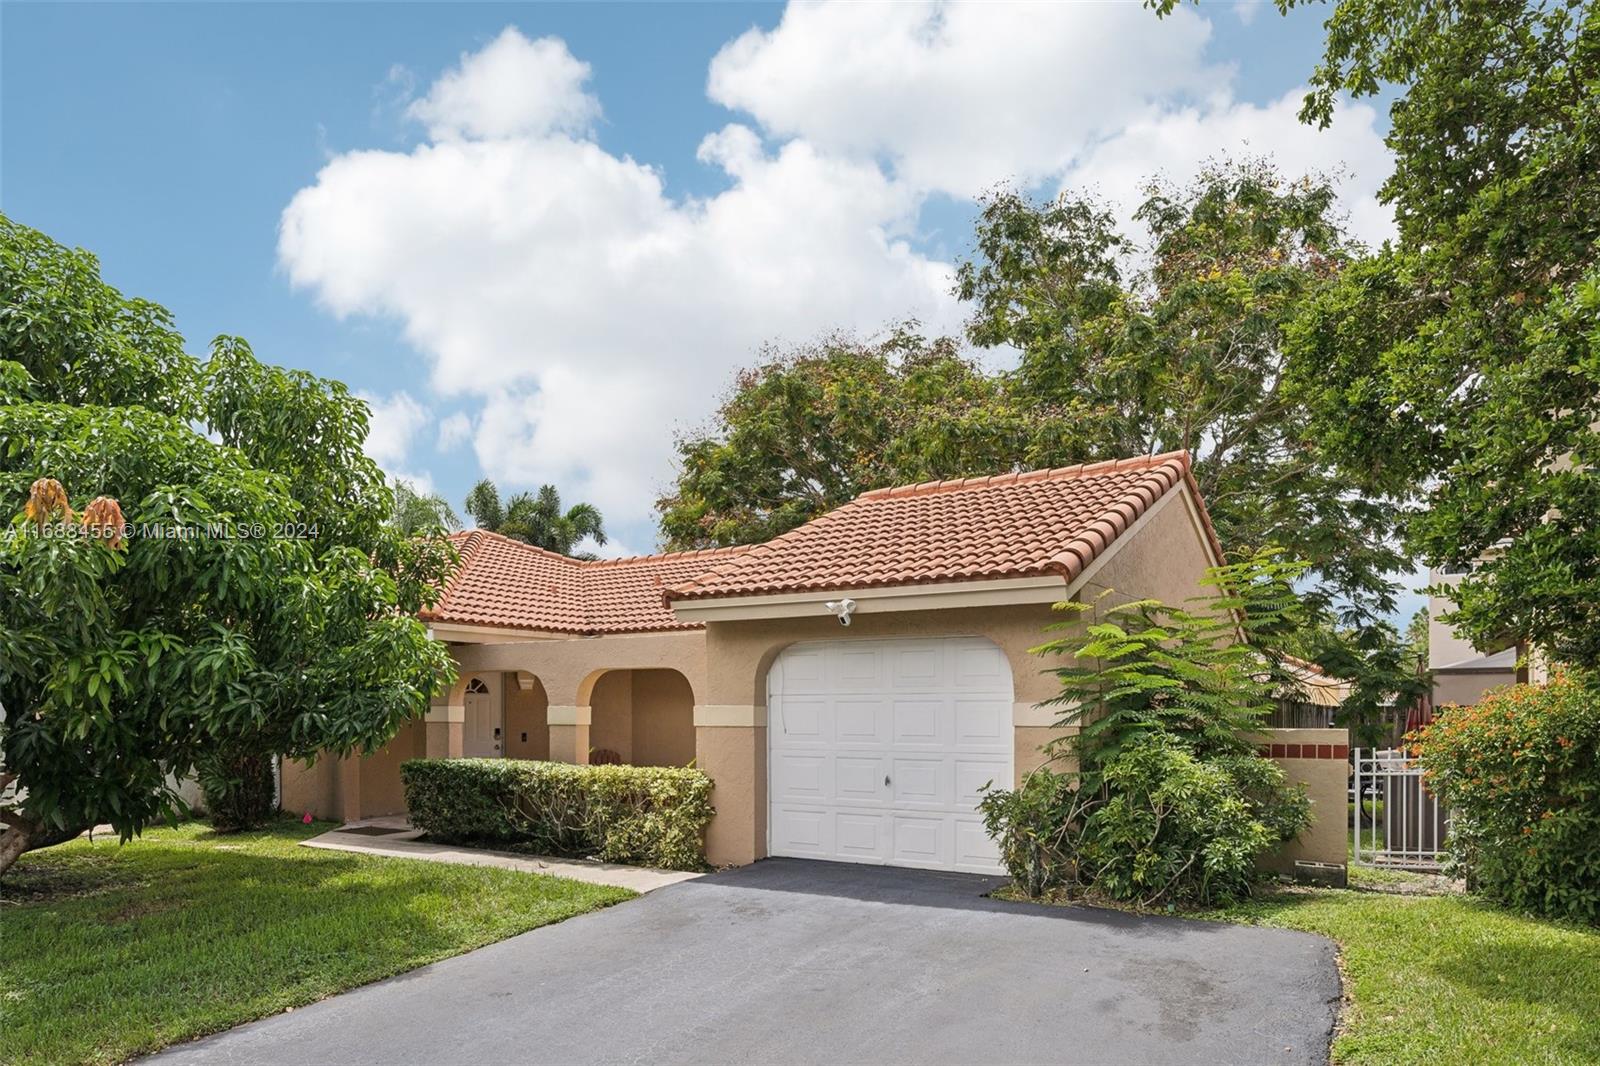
[[788, 961]]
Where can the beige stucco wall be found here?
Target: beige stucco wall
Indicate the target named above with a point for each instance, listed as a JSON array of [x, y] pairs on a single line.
[[611, 721], [381, 791], [345, 789], [313, 789], [1444, 645], [663, 718], [1319, 760], [1468, 688], [527, 728]]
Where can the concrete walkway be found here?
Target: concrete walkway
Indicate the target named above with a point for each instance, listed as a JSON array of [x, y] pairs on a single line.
[[788, 961], [394, 837]]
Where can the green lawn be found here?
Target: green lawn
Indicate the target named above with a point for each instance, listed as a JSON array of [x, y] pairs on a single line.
[[1449, 979], [108, 951]]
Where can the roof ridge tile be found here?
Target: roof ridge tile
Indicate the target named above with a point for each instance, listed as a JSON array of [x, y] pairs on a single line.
[[1077, 470]]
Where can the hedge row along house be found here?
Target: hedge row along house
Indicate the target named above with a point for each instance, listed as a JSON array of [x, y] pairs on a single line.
[[849, 686]]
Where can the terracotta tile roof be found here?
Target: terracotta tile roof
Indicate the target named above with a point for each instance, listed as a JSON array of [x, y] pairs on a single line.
[[1010, 525], [504, 583]]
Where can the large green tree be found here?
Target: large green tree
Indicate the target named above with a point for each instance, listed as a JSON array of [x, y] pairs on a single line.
[[1460, 367], [1182, 345], [1121, 352], [537, 518], [808, 429], [172, 599]]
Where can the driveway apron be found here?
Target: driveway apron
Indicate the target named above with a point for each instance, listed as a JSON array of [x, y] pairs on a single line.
[[791, 961]]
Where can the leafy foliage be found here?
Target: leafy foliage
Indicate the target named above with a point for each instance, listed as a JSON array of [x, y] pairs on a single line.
[[1520, 772], [649, 815], [1167, 801], [422, 512], [1123, 351], [254, 603], [808, 430], [536, 518], [1460, 368], [1189, 351], [237, 788]]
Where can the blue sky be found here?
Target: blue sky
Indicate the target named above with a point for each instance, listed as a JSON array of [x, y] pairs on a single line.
[[542, 250]]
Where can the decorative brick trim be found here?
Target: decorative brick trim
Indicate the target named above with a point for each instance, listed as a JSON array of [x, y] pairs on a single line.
[[1305, 751]]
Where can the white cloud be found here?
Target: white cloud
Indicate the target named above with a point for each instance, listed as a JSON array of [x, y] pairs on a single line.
[[512, 87], [961, 96], [421, 483], [454, 430], [584, 314], [393, 426], [590, 310], [1175, 143]]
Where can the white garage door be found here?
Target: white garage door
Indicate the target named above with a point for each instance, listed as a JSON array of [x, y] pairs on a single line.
[[878, 749]]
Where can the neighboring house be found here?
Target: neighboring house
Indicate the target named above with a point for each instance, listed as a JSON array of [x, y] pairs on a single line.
[[1461, 673], [1312, 698], [850, 686]]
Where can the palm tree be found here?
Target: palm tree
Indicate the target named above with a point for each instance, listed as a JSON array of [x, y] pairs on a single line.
[[536, 518], [418, 512]]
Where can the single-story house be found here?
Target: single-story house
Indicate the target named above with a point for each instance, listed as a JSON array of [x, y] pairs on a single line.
[[849, 686]]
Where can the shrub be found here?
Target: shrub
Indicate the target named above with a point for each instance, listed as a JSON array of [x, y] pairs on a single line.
[[1169, 801], [1520, 774], [237, 790], [645, 815]]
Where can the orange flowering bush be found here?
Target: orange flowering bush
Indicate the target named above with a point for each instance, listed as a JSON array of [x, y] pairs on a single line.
[[1520, 772]]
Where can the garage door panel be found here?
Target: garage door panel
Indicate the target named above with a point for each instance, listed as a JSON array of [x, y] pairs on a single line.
[[802, 831], [861, 837], [921, 841], [982, 667], [856, 670], [800, 669], [801, 778], [920, 782], [858, 778], [924, 722], [982, 723], [879, 749], [973, 774], [974, 850], [921, 668], [859, 721], [803, 720]]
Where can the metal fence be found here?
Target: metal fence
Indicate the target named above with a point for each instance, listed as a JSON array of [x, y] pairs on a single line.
[[1395, 821]]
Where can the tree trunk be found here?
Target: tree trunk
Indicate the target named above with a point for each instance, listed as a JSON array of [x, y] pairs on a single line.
[[13, 842], [27, 834]]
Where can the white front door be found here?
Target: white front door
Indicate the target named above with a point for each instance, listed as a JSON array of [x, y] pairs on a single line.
[[878, 750], [481, 737]]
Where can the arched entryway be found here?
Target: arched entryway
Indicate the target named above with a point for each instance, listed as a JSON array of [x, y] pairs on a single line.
[[642, 717], [527, 717]]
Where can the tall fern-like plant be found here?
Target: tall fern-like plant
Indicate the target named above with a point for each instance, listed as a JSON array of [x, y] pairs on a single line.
[[1161, 797], [1201, 676]]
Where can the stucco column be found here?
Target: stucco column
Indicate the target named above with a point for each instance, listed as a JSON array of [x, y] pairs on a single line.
[[350, 788], [569, 734], [446, 725], [730, 745]]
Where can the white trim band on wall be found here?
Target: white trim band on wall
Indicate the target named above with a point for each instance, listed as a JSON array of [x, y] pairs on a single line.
[[569, 716], [729, 715]]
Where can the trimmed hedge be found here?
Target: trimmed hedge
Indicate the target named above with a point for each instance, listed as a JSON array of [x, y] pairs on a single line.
[[1520, 772], [642, 815]]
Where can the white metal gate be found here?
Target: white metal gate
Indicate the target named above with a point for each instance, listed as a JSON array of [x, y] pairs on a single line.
[[1395, 820]]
